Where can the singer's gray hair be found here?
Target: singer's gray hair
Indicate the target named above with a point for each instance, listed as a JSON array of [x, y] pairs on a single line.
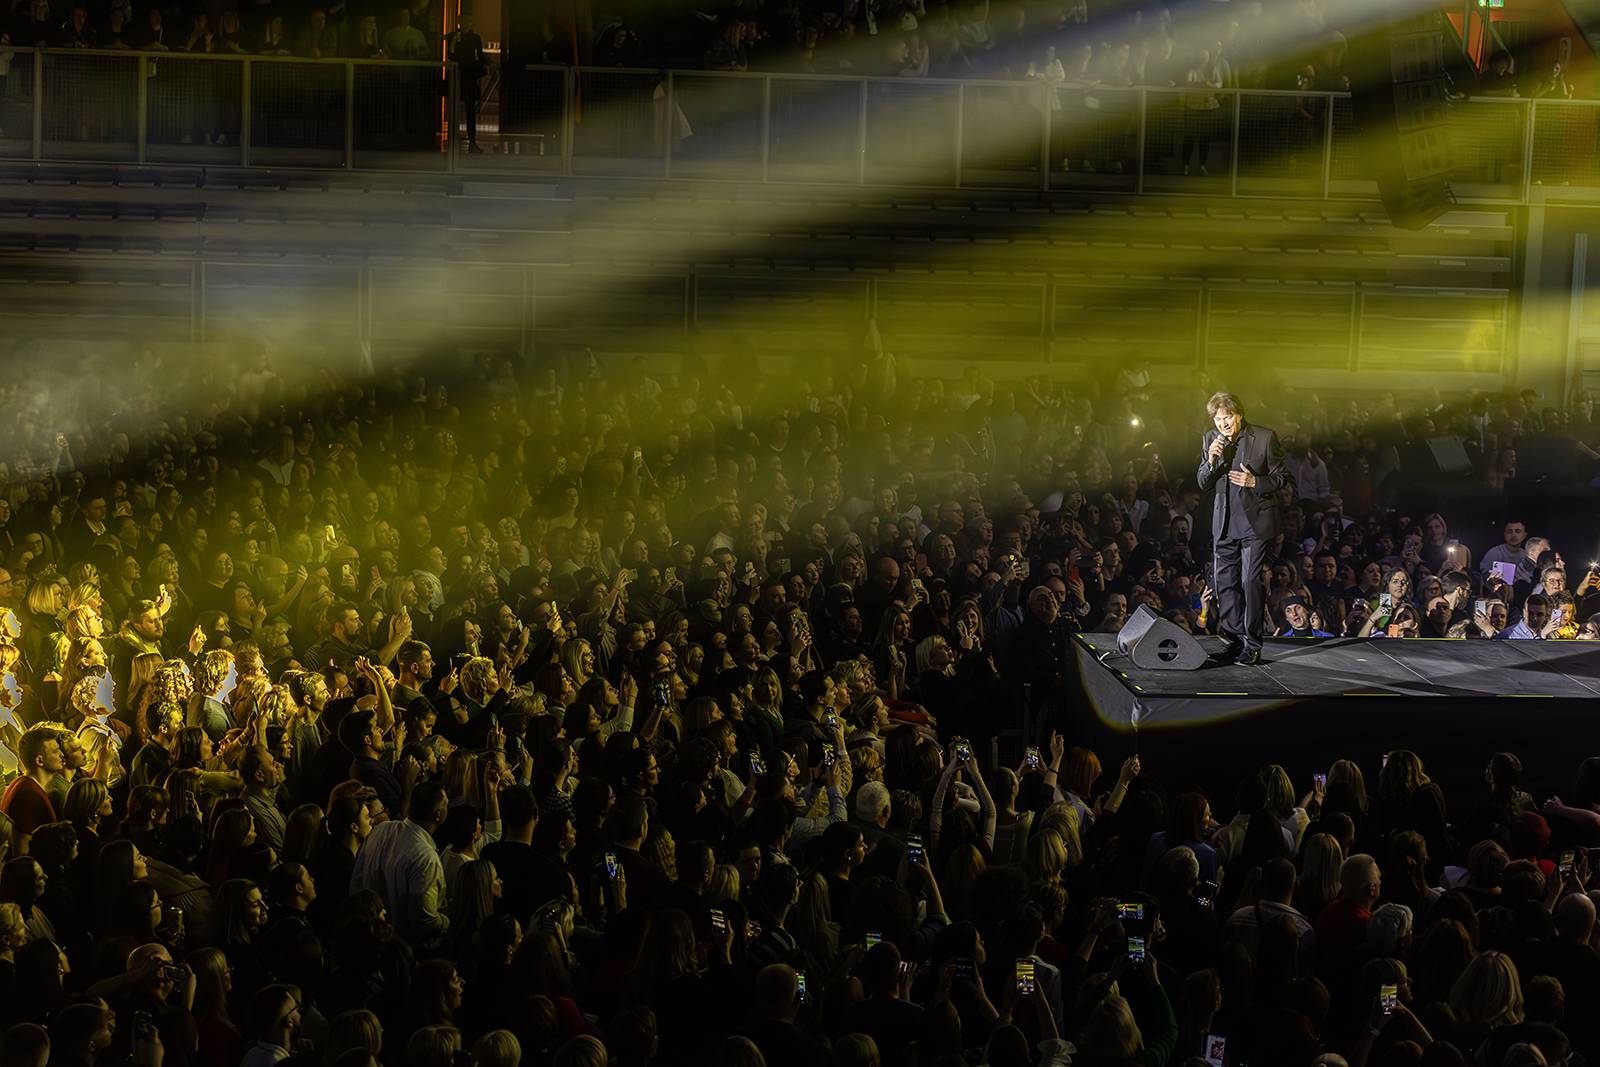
[[1224, 402]]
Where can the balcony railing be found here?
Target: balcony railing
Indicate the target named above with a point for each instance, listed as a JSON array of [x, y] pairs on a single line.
[[223, 110], [226, 110]]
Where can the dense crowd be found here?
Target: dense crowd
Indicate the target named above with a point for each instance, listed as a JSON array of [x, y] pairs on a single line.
[[1074, 43], [519, 712], [308, 30]]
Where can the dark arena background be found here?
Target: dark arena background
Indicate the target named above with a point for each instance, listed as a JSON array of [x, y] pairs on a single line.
[[749, 533]]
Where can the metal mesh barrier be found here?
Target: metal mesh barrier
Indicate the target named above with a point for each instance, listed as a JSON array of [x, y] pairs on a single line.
[[725, 114], [397, 114], [194, 110], [621, 123], [1566, 144], [815, 130], [1348, 163], [1002, 131], [1282, 144], [90, 106], [1094, 139], [16, 104], [911, 132], [1163, 133], [522, 116], [1487, 142], [1188, 140], [297, 113]]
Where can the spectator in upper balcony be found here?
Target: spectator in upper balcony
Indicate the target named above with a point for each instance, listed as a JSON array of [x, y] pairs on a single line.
[[1330, 65], [365, 43], [1201, 107], [1161, 66], [553, 44], [1013, 43], [405, 41], [201, 37], [116, 31], [77, 33], [1067, 29], [466, 51], [152, 34], [39, 30], [425, 18], [889, 57], [946, 57], [318, 40], [124, 6], [1500, 79], [1113, 64], [274, 42], [729, 50], [618, 46], [915, 64], [972, 27], [230, 34]]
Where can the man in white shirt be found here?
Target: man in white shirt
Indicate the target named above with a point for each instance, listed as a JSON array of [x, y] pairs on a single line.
[[1130, 506], [401, 863], [405, 41], [1277, 890], [1310, 472], [1513, 551], [275, 1018]]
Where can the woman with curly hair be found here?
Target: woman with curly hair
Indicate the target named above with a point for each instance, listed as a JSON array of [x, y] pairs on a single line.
[[206, 708], [102, 745], [86, 657]]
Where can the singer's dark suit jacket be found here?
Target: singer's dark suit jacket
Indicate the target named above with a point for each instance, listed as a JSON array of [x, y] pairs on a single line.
[[1256, 450]]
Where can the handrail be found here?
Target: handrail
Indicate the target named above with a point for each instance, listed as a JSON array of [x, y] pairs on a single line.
[[732, 75], [221, 57]]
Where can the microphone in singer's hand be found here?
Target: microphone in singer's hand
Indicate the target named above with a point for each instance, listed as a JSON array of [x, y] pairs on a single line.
[[1228, 444]]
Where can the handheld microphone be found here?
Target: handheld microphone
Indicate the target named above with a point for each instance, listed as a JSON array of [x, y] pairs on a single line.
[[1228, 444]]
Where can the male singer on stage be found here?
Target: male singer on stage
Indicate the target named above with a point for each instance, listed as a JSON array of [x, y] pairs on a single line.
[[1244, 518]]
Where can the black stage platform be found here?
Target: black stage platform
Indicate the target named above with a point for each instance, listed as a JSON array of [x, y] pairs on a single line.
[[1313, 701]]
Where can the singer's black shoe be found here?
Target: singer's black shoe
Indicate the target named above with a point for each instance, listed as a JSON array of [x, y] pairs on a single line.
[[1250, 657], [1230, 654]]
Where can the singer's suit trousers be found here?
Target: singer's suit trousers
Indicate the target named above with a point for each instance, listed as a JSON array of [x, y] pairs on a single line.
[[1241, 598]]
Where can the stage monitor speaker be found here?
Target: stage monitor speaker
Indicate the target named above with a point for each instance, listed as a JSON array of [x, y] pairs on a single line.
[[1437, 456], [1154, 644], [1450, 453]]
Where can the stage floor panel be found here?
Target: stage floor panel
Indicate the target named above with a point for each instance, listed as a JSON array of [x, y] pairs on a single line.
[[1366, 667]]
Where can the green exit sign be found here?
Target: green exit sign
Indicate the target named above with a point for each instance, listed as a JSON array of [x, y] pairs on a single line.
[[1491, 3]]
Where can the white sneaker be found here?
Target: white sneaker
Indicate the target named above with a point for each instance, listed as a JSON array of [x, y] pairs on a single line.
[[1205, 172], [1186, 170]]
